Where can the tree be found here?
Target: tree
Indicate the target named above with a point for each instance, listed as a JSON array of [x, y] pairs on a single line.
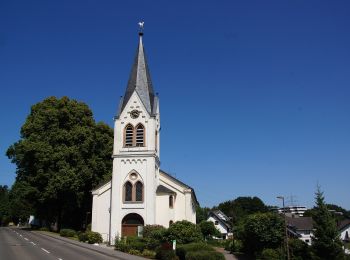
[[4, 205], [241, 207], [201, 214], [208, 229], [326, 243], [184, 232], [62, 155], [260, 231]]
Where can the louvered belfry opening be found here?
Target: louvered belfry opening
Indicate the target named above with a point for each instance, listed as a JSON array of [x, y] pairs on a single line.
[[129, 135], [140, 135]]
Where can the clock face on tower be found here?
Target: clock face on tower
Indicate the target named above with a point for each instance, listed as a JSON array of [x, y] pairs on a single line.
[[134, 114]]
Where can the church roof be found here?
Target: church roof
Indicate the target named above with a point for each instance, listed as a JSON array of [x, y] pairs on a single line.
[[163, 189], [140, 81]]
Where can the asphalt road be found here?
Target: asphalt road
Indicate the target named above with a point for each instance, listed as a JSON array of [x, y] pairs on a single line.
[[18, 244]]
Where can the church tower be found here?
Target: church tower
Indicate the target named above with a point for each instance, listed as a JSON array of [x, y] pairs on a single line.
[[136, 162]]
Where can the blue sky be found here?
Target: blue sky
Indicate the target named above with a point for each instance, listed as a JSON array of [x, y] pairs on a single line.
[[254, 94]]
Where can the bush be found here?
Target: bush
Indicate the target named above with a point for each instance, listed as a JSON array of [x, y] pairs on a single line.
[[93, 237], [88, 227], [182, 250], [204, 255], [184, 232], [136, 243], [148, 253], [165, 253], [121, 245], [66, 232], [82, 236], [270, 254], [230, 245], [150, 230], [134, 252], [43, 229]]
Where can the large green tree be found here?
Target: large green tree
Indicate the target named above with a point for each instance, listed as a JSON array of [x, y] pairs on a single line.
[[4, 205], [259, 231], [241, 207], [326, 243], [61, 155]]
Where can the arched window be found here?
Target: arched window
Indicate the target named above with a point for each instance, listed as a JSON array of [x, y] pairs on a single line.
[[171, 222], [171, 201], [129, 135], [128, 191], [139, 191], [140, 134]]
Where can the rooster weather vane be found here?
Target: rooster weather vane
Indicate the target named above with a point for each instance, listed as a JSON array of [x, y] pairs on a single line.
[[141, 25]]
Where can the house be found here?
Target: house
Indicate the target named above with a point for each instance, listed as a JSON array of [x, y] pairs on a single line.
[[139, 193], [300, 227], [221, 222], [344, 230], [294, 210]]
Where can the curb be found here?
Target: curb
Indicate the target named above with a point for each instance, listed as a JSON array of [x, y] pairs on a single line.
[[101, 250]]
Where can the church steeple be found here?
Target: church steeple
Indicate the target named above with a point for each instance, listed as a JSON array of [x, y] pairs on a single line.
[[140, 80]]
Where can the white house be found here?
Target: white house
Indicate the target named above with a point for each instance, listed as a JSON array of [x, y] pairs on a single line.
[[344, 230], [221, 222], [139, 193], [301, 227]]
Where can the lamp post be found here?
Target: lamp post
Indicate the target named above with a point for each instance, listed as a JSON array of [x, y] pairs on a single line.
[[285, 227]]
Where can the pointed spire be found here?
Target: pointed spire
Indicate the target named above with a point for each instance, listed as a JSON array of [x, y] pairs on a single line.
[[140, 79]]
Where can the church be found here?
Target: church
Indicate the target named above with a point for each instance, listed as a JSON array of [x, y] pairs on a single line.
[[139, 193]]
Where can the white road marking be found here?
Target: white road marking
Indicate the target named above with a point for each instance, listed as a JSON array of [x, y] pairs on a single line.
[[33, 243], [60, 259], [45, 250], [26, 238], [20, 235]]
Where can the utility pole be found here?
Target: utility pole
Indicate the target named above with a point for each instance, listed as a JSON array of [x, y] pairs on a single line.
[[285, 227]]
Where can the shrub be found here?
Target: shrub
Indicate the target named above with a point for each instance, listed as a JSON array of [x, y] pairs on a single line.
[[230, 245], [93, 237], [165, 253], [66, 232], [270, 254], [136, 243], [82, 236], [88, 227], [182, 250], [150, 230], [148, 253], [134, 252], [43, 229], [204, 255], [184, 232]]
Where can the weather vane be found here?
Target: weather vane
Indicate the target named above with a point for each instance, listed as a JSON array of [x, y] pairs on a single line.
[[141, 25]]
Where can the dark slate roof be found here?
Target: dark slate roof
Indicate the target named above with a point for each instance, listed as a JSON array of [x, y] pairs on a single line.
[[216, 214], [163, 189], [343, 224], [140, 81], [183, 184], [300, 223]]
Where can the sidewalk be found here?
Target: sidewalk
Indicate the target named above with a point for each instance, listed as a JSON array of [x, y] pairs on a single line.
[[102, 249], [226, 254]]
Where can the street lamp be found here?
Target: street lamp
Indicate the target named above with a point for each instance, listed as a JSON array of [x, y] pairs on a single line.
[[285, 226]]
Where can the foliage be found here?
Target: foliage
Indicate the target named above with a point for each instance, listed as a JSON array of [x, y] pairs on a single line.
[[259, 231], [182, 250], [326, 243], [82, 236], [151, 230], [204, 255], [299, 250], [66, 232], [208, 229], [149, 253], [61, 156], [44, 229], [201, 214], [93, 237], [241, 207], [184, 232], [4, 205], [165, 252], [121, 245], [270, 254]]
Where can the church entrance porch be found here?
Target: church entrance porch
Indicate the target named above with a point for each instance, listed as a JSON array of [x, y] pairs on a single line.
[[130, 224]]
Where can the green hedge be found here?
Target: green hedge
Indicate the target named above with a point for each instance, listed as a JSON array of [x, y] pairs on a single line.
[[66, 232], [204, 255], [90, 236], [182, 250]]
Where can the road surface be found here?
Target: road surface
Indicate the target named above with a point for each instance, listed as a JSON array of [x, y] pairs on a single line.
[[18, 244]]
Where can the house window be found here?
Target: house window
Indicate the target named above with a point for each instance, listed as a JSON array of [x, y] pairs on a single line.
[[129, 135], [216, 222], [139, 191], [171, 222], [140, 135], [128, 191], [171, 201]]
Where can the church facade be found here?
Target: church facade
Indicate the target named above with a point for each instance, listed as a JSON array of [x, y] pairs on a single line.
[[139, 193]]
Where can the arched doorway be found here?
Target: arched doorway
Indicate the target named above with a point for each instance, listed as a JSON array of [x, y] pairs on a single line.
[[130, 223]]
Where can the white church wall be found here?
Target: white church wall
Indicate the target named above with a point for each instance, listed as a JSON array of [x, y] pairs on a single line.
[[100, 211], [163, 213]]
